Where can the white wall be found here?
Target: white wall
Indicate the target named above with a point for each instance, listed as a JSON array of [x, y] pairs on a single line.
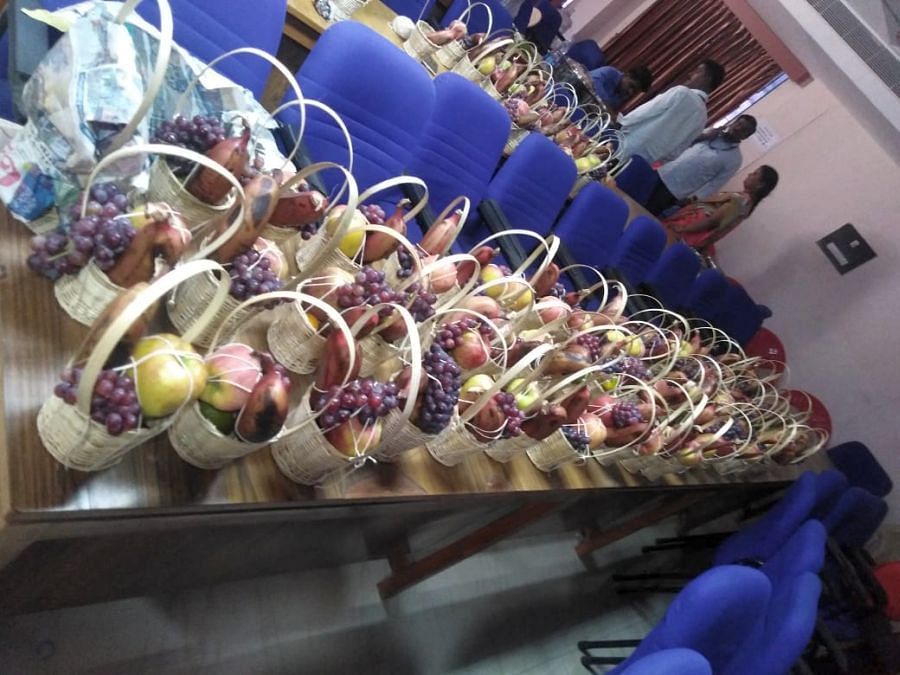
[[842, 333]]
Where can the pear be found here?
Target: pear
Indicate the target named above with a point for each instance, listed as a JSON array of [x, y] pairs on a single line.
[[169, 374]]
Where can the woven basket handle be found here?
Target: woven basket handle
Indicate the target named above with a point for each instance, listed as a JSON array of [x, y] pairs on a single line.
[[487, 50], [653, 398], [396, 181], [278, 65], [157, 77], [507, 377], [481, 317], [467, 14], [563, 385], [136, 308], [183, 153], [311, 103], [428, 268]]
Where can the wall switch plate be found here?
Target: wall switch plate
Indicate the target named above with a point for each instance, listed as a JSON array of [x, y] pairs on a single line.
[[845, 248]]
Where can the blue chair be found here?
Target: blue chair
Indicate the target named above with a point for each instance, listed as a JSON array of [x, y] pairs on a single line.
[[739, 315], [788, 627], [638, 249], [670, 662], [527, 192], [803, 551], [765, 536], [637, 180], [861, 468], [385, 129], [706, 294], [547, 29], [714, 615], [671, 278], [477, 21], [592, 225], [588, 54], [208, 28], [855, 517], [461, 144], [414, 9], [830, 485]]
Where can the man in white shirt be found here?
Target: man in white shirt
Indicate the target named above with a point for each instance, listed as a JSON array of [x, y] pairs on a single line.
[[664, 126], [704, 168]]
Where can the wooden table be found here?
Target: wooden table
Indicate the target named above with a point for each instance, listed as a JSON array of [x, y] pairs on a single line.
[[304, 25], [153, 492]]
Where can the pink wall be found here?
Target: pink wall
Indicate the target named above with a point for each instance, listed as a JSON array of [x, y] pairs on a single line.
[[842, 333]]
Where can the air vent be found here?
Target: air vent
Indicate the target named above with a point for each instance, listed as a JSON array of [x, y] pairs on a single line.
[[883, 61]]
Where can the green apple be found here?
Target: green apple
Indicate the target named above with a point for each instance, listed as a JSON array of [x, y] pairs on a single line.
[[615, 336], [527, 395], [169, 374], [583, 164], [487, 65], [685, 348], [477, 385]]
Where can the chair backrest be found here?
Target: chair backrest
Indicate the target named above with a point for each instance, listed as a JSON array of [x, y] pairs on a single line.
[[411, 8], [461, 144], [787, 630], [477, 20], [639, 248], [859, 465], [385, 105], [830, 485], [706, 293], [670, 662], [804, 551], [739, 315], [533, 184], [208, 28], [588, 54], [714, 615], [592, 224], [637, 179], [673, 274], [762, 539], [855, 517], [546, 30]]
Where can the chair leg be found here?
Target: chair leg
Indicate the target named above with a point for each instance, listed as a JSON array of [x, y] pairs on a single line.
[[824, 636], [590, 661], [586, 645], [652, 576], [622, 590]]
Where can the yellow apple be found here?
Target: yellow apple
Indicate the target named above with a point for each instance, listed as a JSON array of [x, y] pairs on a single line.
[[169, 374]]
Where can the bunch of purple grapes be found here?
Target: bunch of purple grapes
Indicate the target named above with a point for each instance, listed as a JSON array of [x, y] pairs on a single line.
[[593, 342], [407, 264], [630, 365], [420, 302], [367, 399], [251, 275], [511, 412], [558, 291], [373, 213], [114, 403], [736, 432], [103, 234], [309, 230], [689, 367], [576, 437], [198, 134], [368, 288], [625, 414], [441, 392], [449, 335]]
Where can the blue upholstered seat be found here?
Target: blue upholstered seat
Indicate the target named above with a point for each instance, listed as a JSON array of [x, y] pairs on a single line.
[[638, 249], [587, 53], [706, 293], [592, 225], [411, 8], [637, 179], [672, 276]]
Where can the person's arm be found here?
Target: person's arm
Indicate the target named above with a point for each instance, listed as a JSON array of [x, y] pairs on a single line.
[[653, 108], [711, 222]]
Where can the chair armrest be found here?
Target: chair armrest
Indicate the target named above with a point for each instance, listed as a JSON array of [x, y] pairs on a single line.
[[496, 222], [414, 193]]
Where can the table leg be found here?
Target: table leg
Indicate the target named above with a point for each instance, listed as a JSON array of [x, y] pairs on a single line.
[[408, 572]]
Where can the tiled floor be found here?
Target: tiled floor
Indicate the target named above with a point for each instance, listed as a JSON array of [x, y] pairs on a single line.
[[518, 609]]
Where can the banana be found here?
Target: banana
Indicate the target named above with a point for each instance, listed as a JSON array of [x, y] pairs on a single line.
[[440, 236], [334, 366], [544, 282], [379, 245], [297, 209]]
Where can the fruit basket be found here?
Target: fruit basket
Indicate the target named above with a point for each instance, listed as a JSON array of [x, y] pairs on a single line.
[[245, 402], [96, 417], [348, 412], [479, 63]]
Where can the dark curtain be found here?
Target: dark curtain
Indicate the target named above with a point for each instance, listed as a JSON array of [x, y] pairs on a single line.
[[672, 36]]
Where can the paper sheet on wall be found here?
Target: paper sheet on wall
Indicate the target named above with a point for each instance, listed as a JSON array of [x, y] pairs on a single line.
[[765, 137]]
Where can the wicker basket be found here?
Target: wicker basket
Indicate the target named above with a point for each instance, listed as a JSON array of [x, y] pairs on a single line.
[[400, 436], [196, 294], [468, 70], [292, 340], [288, 240], [516, 136], [77, 442], [164, 186], [417, 45], [450, 54], [552, 453], [452, 448], [505, 450], [198, 442], [305, 456], [84, 295], [67, 431]]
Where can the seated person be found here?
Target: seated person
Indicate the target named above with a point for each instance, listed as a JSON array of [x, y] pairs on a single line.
[[616, 88], [705, 222]]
